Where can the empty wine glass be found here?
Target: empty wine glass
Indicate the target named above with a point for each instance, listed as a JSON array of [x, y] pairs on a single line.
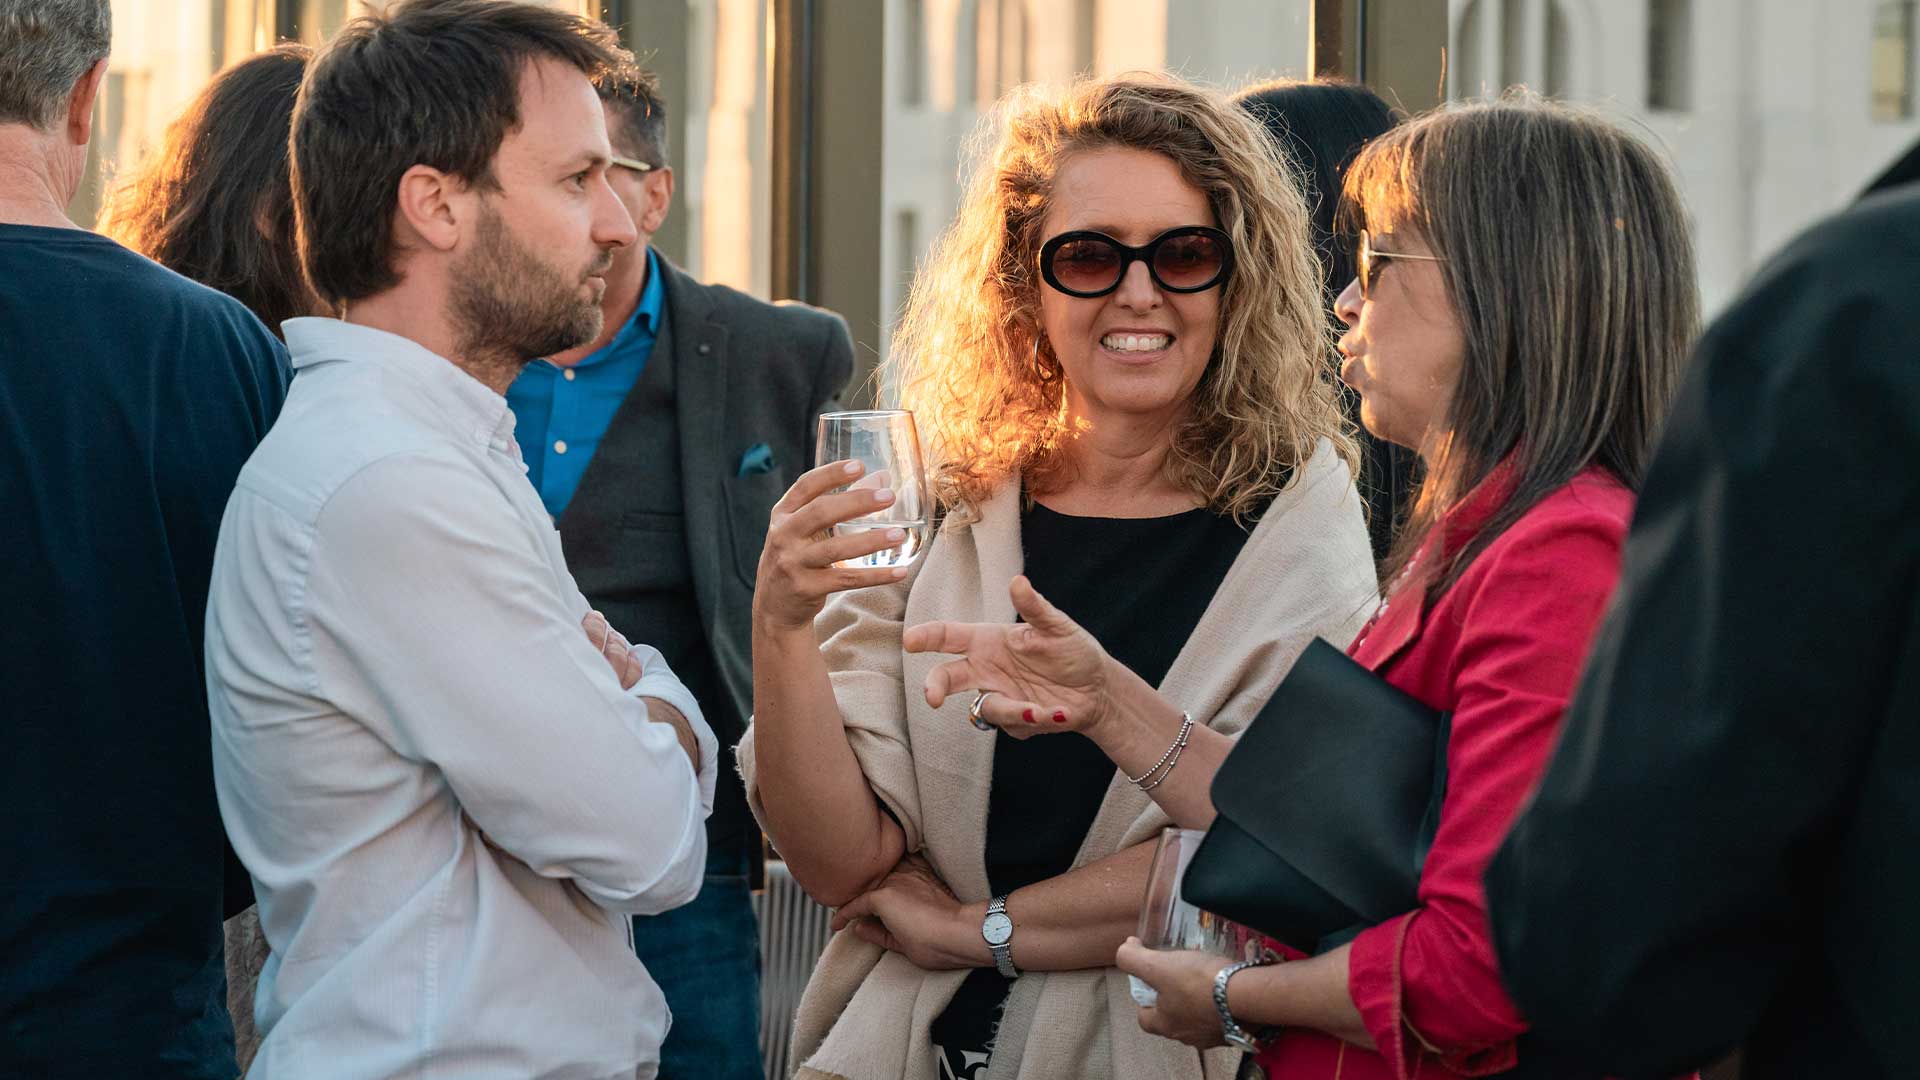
[[885, 441], [1169, 922]]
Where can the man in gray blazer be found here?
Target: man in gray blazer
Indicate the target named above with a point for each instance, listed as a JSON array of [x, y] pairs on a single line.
[[660, 449]]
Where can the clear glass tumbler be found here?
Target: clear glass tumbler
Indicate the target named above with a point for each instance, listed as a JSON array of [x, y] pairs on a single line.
[[1168, 921], [884, 440]]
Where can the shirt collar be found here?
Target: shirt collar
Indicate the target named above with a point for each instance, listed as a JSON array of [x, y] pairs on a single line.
[[464, 401], [653, 297]]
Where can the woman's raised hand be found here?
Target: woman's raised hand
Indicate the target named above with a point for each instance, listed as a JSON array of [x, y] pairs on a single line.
[[797, 571], [1046, 674]]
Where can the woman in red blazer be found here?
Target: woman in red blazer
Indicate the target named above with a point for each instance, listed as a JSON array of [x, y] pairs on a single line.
[[1524, 304]]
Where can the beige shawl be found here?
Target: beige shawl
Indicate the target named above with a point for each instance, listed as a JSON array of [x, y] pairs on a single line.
[[1305, 572]]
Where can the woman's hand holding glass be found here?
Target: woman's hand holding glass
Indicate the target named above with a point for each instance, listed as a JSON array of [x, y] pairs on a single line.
[[1044, 674], [1183, 980], [797, 566]]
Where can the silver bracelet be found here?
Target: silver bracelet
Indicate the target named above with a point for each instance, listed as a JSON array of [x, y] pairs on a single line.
[[1169, 770], [1230, 1028], [1167, 759]]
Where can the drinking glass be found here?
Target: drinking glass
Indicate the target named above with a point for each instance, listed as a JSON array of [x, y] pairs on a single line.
[[1168, 921], [884, 440]]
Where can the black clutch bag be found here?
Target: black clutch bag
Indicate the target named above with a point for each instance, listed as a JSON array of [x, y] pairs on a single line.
[[1326, 807]]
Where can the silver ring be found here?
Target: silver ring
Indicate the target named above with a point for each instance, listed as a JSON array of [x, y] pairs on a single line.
[[973, 711]]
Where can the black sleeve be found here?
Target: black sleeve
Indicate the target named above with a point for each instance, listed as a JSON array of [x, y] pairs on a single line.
[[1650, 902]]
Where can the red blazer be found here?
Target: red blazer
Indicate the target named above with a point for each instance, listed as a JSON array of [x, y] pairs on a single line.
[[1501, 650]]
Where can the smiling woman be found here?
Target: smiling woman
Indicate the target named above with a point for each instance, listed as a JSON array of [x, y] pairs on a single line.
[[1522, 305], [1115, 359]]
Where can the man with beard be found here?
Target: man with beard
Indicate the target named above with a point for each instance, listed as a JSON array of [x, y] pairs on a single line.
[[660, 448], [447, 801]]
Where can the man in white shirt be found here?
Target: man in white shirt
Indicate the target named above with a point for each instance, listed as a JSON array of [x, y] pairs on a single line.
[[448, 778]]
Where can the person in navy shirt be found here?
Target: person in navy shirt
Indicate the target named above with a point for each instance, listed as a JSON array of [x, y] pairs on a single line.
[[129, 399]]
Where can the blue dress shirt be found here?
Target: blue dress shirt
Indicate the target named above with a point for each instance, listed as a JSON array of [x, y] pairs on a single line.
[[561, 414]]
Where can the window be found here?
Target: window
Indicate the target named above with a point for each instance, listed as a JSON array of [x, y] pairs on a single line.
[[1002, 41], [1559, 52], [1470, 66], [1891, 63], [1517, 38], [913, 51], [1670, 56], [1544, 45]]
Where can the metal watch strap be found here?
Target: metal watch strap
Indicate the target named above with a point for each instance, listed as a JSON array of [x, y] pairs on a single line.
[[1003, 952], [1235, 1034]]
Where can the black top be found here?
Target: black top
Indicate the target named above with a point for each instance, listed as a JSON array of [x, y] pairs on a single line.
[[1723, 849], [129, 399], [1139, 586]]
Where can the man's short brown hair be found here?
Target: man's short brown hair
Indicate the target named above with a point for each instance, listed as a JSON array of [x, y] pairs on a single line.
[[430, 82]]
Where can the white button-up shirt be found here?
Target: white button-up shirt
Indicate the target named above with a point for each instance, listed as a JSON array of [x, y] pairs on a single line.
[[444, 797]]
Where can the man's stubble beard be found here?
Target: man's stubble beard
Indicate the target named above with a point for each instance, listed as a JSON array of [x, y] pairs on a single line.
[[510, 307]]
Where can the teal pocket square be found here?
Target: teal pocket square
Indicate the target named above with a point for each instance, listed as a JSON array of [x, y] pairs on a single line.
[[757, 459]]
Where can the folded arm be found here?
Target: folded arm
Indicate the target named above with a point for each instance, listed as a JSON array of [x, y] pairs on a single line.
[[438, 621], [1067, 923]]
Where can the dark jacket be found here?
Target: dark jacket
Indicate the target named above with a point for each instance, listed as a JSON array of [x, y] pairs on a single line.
[[739, 373], [1726, 847]]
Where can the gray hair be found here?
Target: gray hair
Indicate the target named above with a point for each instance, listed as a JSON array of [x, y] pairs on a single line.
[[45, 47]]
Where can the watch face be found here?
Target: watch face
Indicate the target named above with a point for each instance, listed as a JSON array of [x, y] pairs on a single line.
[[997, 929]]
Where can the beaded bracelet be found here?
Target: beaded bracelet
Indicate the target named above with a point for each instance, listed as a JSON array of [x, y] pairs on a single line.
[[1167, 760]]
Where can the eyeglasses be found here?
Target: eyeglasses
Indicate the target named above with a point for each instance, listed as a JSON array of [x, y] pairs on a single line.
[[631, 163], [1190, 259], [1369, 270]]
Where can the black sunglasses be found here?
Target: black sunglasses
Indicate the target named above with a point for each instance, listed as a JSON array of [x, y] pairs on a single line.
[[1086, 264]]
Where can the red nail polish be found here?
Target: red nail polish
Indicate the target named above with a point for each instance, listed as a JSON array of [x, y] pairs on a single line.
[[1027, 715], [1059, 717]]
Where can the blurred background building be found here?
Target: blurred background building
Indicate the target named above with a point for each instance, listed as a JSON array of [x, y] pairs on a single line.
[[819, 142]]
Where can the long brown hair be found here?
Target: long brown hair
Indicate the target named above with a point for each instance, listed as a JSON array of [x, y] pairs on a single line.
[[1567, 258], [214, 203], [968, 357]]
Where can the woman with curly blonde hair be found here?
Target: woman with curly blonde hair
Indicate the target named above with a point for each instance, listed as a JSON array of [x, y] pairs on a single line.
[[1115, 360]]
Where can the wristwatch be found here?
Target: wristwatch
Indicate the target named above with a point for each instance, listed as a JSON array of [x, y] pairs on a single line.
[[1236, 1035], [997, 929]]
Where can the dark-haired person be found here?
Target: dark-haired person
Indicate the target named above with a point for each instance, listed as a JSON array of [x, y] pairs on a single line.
[[1322, 124], [131, 398], [214, 201], [1742, 762], [1523, 304], [450, 778], [659, 448]]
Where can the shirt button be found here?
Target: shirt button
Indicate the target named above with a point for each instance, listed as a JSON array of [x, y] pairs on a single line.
[[704, 349], [560, 446], [567, 374]]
